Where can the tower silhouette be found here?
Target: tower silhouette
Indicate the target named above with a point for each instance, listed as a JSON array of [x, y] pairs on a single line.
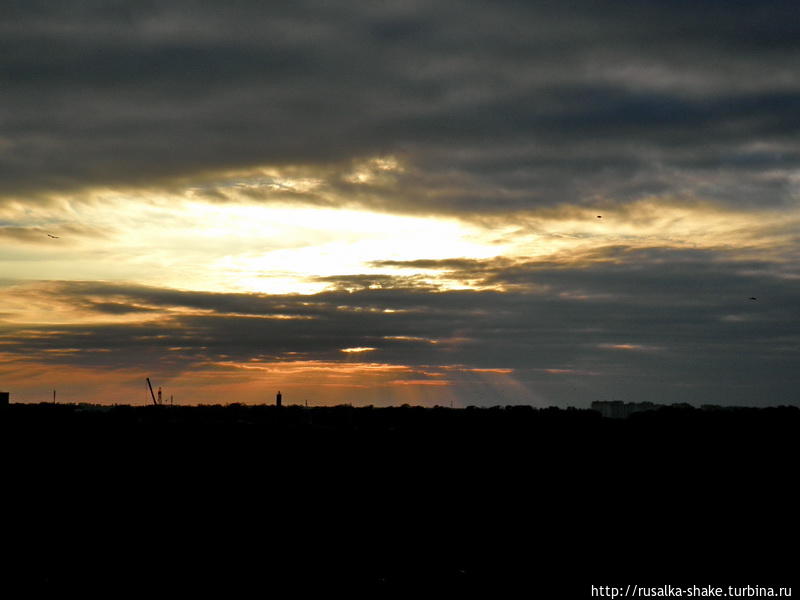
[[278, 399]]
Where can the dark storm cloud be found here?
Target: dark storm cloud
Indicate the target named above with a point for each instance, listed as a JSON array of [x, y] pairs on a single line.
[[659, 323], [495, 106]]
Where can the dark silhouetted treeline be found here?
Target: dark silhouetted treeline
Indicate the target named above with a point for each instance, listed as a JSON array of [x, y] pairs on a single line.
[[517, 419], [244, 500]]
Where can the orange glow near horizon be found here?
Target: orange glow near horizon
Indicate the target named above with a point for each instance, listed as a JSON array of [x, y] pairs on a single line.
[[254, 234], [250, 383]]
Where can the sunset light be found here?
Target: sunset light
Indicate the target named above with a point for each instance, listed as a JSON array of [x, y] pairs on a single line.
[[555, 223]]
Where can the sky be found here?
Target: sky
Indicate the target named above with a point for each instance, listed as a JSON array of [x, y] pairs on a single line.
[[436, 203]]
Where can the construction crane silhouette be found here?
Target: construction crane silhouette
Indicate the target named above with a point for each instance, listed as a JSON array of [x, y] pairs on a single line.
[[152, 395]]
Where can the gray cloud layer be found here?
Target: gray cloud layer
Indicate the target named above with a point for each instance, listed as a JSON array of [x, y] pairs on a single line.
[[651, 324], [497, 105], [492, 107]]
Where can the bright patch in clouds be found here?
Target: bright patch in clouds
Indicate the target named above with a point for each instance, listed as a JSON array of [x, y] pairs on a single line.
[[257, 239], [293, 245], [185, 243], [275, 232]]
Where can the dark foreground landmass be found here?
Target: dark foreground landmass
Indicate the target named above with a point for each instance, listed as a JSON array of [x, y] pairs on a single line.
[[257, 501]]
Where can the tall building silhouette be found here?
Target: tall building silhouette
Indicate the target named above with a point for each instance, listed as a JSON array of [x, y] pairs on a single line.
[[278, 399]]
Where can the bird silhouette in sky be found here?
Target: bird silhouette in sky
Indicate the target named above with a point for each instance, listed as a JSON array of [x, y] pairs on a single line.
[[599, 216], [55, 237], [753, 298]]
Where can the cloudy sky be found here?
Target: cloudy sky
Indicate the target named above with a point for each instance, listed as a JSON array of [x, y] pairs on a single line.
[[540, 202]]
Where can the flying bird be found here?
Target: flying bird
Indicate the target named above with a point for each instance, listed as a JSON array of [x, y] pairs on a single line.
[[55, 237], [599, 216], [752, 298]]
